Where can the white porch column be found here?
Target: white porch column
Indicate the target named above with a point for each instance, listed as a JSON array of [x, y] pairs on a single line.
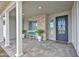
[[19, 28], [78, 28], [7, 41], [1, 29]]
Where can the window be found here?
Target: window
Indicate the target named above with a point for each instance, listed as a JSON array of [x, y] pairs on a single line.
[[32, 25], [61, 26], [51, 26]]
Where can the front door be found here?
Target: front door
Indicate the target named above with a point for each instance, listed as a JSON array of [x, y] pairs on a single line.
[[62, 28]]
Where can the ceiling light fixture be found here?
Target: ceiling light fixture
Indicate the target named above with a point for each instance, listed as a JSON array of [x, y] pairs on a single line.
[[39, 7]]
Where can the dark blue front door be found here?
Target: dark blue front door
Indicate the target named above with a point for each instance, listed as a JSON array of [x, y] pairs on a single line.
[[62, 28]]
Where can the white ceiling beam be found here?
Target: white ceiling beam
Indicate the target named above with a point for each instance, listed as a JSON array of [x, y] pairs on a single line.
[[9, 8]]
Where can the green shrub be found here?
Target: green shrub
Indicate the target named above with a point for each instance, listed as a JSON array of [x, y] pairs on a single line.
[[23, 31], [39, 31]]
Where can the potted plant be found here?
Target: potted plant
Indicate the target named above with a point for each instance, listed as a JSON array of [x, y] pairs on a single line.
[[23, 33], [39, 32]]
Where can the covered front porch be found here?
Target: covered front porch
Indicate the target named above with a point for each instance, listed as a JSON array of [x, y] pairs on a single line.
[[27, 19]]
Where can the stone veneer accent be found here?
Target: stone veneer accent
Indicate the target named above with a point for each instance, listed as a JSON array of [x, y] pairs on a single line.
[[42, 23]]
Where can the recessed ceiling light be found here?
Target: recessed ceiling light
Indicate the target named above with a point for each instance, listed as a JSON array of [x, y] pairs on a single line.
[[39, 7]]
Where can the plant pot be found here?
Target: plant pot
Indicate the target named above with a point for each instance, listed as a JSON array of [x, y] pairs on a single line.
[[39, 38]]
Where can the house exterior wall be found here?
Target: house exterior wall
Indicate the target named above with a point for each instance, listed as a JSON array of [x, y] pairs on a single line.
[[12, 26], [43, 22], [78, 28], [25, 23], [74, 21], [1, 29], [75, 26], [53, 16]]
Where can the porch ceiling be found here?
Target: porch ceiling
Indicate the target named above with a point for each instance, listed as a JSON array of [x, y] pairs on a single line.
[[30, 8], [3, 5]]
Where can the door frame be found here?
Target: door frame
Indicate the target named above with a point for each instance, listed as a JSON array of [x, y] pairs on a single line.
[[66, 28]]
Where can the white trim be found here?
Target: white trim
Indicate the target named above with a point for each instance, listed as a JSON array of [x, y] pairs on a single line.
[[77, 28], [7, 39], [19, 51], [10, 7], [1, 29], [18, 54]]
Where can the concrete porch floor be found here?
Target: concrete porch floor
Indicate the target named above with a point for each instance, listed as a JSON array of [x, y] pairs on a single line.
[[33, 48]]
